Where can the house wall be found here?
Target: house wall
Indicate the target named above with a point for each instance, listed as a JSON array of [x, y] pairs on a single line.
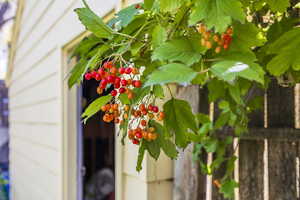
[[37, 165]]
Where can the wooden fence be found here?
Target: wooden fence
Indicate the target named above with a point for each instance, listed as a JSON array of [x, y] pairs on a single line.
[[268, 165]]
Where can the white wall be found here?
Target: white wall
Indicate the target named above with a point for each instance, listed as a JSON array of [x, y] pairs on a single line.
[[36, 106], [35, 96]]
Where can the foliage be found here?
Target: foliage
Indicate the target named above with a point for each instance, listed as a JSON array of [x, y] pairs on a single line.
[[227, 46]]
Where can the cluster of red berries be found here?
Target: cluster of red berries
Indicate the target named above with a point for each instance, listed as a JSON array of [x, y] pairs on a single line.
[[143, 114], [110, 74], [221, 41]]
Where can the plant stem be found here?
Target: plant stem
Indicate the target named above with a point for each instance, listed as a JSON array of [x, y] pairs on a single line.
[[170, 91]]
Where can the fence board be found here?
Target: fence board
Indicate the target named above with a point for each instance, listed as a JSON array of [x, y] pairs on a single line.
[[251, 170], [281, 111], [257, 117], [282, 170]]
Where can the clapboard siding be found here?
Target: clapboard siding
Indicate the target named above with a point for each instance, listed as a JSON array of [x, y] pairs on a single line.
[[42, 134], [36, 96]]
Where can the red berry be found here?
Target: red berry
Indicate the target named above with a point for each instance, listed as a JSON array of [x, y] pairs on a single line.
[[101, 71], [128, 70], [138, 6], [117, 79], [150, 107], [155, 109], [98, 77], [108, 65], [137, 83], [139, 135], [110, 79], [114, 93], [117, 85], [123, 82], [88, 76], [94, 74], [122, 70], [135, 141], [122, 90], [104, 82]]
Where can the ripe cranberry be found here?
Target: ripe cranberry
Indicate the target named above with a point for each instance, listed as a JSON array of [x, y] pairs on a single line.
[[122, 90], [128, 70], [104, 82], [98, 77], [114, 93], [150, 107], [88, 76], [102, 86], [155, 109], [117, 85], [110, 79], [137, 84], [123, 82], [135, 141], [122, 70]]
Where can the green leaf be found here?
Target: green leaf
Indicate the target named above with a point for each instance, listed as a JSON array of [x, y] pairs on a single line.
[[158, 91], [140, 93], [235, 93], [222, 120], [78, 70], [178, 50], [153, 148], [148, 4], [227, 188], [124, 99], [216, 90], [95, 106], [94, 23], [141, 154], [278, 5], [85, 45], [125, 16], [167, 146], [170, 5], [230, 70], [179, 118], [286, 50], [217, 14], [280, 27], [92, 63], [203, 118], [246, 36], [159, 36], [210, 145], [171, 73]]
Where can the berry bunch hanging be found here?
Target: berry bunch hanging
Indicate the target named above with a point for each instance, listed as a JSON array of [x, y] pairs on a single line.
[[228, 51]]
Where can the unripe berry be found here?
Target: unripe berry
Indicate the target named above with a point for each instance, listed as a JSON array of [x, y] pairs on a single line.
[[135, 71], [130, 95], [208, 44], [108, 65], [114, 93], [218, 49], [88, 76], [203, 41], [99, 90], [126, 108], [128, 70], [216, 38], [113, 70], [144, 123], [225, 46], [103, 108]]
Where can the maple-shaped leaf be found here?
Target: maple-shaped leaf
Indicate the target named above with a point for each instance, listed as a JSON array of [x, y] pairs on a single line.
[[217, 14], [286, 50]]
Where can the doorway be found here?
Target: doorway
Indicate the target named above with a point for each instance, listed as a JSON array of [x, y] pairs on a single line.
[[95, 150]]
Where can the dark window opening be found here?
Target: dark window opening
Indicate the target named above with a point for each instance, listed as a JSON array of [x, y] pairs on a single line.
[[98, 161]]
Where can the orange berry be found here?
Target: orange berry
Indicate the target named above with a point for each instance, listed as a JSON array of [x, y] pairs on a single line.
[[99, 90], [221, 42], [229, 31], [151, 129], [208, 44], [115, 106], [142, 107], [144, 123], [218, 49], [152, 136], [206, 35], [129, 82], [216, 38], [201, 28], [103, 108], [225, 46], [135, 71], [144, 112], [145, 135], [107, 106], [125, 116], [126, 108], [130, 95]]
